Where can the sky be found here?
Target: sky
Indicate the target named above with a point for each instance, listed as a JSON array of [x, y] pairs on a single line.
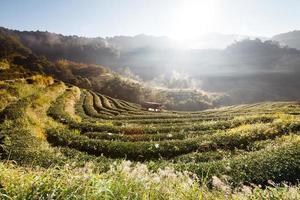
[[179, 19]]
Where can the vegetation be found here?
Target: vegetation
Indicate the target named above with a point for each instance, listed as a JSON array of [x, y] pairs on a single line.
[[71, 129], [59, 142], [121, 181], [247, 71], [19, 61]]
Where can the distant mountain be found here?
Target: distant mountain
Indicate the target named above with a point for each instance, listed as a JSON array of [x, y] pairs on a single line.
[[207, 41], [130, 43], [151, 56], [56, 46], [291, 39], [217, 40]]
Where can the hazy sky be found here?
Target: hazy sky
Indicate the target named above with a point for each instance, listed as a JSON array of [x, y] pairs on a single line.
[[175, 18]]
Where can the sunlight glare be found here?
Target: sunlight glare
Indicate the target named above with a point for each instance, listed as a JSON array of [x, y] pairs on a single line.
[[195, 17]]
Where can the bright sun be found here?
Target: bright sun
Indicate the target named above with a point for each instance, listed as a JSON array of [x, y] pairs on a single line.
[[195, 17]]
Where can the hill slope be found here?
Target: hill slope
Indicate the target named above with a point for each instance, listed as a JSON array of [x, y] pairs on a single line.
[[46, 123], [263, 69], [291, 39], [18, 61]]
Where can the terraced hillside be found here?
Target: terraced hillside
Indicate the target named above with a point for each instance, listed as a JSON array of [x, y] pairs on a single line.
[[51, 124]]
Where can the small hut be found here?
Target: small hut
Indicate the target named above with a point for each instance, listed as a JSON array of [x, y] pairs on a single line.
[[152, 106]]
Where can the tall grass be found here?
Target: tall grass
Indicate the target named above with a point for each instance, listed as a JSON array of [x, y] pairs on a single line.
[[123, 181]]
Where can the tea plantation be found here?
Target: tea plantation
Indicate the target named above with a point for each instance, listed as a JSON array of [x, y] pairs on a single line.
[[59, 141]]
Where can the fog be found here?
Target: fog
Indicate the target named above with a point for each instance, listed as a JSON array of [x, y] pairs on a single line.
[[247, 69]]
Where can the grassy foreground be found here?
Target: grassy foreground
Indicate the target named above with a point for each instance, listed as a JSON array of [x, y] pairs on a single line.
[[122, 181], [63, 142]]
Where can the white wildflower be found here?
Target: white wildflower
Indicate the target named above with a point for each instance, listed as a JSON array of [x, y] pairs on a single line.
[[156, 179]]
